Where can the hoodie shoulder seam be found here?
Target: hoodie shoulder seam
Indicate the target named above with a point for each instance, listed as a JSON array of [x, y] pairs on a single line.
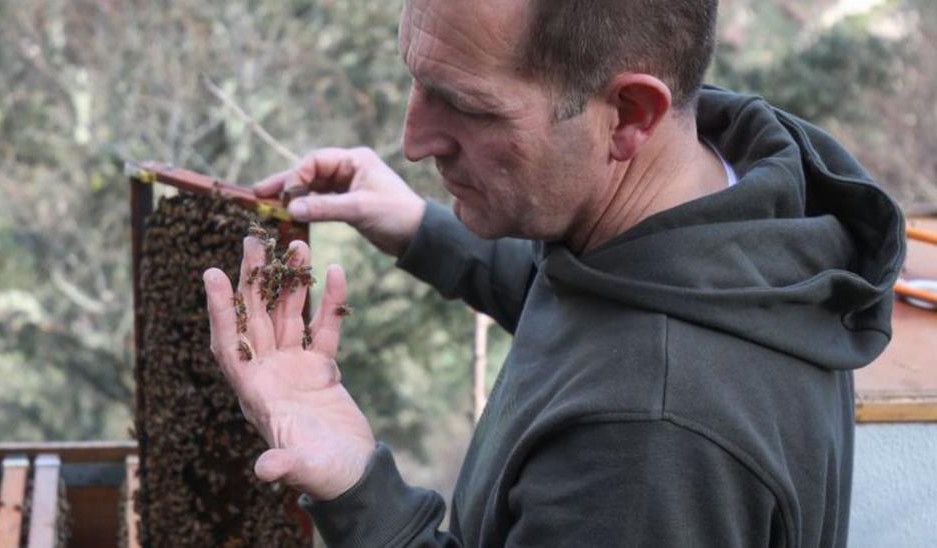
[[745, 459]]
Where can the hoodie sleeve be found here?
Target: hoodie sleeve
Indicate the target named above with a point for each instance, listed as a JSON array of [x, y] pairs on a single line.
[[492, 276], [639, 484], [381, 510]]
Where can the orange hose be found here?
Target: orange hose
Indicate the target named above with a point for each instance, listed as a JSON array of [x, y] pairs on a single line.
[[906, 290], [922, 235]]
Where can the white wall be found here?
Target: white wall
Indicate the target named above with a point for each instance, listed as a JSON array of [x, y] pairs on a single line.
[[894, 490]]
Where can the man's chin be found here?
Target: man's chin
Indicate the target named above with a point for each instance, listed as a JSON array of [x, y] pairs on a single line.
[[477, 223]]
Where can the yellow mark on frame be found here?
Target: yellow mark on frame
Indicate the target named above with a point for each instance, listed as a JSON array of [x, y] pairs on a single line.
[[278, 213]]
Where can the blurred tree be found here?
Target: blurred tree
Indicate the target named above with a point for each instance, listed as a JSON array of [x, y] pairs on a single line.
[[864, 70], [92, 84]]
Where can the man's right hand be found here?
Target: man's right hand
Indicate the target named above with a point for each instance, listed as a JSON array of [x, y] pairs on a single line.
[[353, 186]]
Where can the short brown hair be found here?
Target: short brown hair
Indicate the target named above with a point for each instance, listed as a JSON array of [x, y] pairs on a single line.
[[578, 45]]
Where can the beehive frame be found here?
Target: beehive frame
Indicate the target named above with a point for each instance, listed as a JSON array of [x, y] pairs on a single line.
[[142, 179]]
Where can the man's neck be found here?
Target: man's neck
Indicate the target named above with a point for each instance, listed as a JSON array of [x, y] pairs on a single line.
[[673, 167]]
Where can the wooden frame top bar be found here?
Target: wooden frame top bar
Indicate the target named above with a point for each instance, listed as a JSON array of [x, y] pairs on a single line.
[[197, 183]]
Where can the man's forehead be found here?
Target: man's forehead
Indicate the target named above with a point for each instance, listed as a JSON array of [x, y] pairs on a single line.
[[464, 50], [492, 26]]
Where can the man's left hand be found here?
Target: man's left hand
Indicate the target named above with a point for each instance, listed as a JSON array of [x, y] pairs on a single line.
[[320, 442]]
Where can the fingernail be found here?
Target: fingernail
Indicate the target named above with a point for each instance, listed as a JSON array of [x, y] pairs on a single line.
[[294, 248], [298, 208], [212, 276]]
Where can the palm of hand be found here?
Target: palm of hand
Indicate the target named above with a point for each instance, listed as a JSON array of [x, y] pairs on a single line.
[[320, 441]]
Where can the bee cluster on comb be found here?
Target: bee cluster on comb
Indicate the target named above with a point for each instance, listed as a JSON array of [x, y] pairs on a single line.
[[196, 450]]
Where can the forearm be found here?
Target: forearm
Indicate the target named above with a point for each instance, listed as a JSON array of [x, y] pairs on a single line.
[[491, 276]]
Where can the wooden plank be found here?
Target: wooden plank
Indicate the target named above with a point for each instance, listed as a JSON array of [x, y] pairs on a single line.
[[84, 451], [93, 517], [897, 411], [131, 517], [44, 511], [901, 385], [12, 495]]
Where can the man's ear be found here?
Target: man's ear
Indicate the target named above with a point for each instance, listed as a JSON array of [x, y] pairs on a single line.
[[640, 101]]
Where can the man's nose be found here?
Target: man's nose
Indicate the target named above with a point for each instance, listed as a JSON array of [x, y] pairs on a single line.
[[425, 132]]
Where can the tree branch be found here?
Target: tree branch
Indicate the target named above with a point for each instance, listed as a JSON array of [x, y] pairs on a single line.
[[249, 120]]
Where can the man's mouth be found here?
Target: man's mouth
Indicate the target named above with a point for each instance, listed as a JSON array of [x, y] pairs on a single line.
[[451, 180], [459, 190], [455, 182]]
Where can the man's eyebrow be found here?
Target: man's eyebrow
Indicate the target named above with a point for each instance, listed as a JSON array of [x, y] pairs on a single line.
[[474, 98]]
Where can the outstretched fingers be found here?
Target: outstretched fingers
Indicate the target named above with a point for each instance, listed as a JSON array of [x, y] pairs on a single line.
[[327, 324], [254, 324], [223, 320], [288, 320]]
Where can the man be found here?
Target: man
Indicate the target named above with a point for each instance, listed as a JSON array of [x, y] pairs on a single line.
[[689, 275]]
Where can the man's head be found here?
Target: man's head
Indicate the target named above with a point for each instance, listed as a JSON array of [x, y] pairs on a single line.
[[577, 45], [532, 108]]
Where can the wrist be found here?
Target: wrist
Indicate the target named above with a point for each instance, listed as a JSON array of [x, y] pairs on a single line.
[[410, 226], [346, 476]]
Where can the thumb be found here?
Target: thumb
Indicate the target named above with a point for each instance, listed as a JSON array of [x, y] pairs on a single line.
[[279, 464], [315, 208]]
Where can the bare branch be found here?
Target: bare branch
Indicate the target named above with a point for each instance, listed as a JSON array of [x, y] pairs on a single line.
[[480, 365], [250, 121], [76, 295]]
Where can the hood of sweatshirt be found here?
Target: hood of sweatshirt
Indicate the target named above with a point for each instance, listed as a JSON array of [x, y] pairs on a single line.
[[800, 256]]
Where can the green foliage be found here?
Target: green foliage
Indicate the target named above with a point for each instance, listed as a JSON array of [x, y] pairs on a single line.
[[91, 85], [862, 70], [827, 78]]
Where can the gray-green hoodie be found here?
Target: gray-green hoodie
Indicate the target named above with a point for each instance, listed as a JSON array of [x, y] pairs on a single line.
[[688, 383]]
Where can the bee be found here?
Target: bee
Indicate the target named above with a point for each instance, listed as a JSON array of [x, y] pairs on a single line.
[[245, 350], [305, 277], [288, 255], [255, 273], [270, 250], [240, 311], [344, 310], [257, 231], [307, 338]]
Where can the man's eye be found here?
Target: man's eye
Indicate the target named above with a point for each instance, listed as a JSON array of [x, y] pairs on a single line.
[[472, 113]]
